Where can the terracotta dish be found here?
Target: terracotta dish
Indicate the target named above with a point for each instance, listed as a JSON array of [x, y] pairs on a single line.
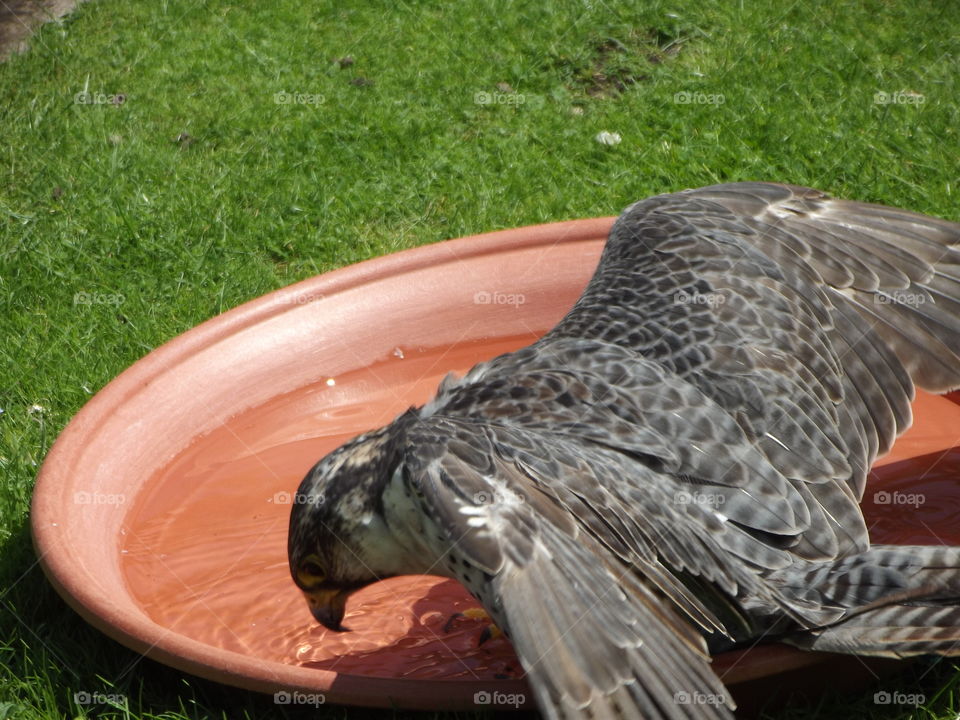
[[161, 512]]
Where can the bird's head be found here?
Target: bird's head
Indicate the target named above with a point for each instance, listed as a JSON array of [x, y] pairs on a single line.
[[339, 540]]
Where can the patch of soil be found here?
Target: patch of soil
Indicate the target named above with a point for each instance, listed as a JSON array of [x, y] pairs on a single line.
[[19, 19], [614, 65]]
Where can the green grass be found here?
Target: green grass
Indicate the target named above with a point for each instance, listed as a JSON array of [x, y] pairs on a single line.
[[199, 192]]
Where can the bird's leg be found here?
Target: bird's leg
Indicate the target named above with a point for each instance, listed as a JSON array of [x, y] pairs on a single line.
[[489, 632]]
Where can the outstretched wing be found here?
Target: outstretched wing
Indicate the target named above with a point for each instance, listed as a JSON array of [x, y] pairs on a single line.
[[802, 319], [595, 617], [783, 304]]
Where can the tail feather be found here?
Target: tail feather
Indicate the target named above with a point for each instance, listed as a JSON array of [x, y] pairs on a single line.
[[892, 601], [900, 630]]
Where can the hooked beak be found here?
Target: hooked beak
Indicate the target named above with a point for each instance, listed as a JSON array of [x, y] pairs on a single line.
[[327, 606]]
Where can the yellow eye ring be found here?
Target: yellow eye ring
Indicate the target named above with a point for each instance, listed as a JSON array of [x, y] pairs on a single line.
[[311, 572]]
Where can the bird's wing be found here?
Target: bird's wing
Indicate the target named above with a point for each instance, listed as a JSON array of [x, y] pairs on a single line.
[[784, 304], [599, 636], [803, 319], [635, 425]]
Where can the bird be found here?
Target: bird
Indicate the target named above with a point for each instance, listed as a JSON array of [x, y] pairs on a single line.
[[677, 466]]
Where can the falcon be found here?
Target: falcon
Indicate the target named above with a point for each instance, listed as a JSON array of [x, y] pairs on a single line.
[[676, 467]]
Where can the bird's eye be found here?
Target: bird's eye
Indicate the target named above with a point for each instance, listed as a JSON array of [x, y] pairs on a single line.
[[311, 572]]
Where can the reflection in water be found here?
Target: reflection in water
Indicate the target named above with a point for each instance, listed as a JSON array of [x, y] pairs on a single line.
[[205, 549]]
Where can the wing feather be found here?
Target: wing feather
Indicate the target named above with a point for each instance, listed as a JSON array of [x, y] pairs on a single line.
[[597, 624]]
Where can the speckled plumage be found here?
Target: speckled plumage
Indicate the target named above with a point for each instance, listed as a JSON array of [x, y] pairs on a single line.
[[681, 457]]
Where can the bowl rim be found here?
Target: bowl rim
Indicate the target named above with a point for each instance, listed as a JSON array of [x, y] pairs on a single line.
[[139, 632]]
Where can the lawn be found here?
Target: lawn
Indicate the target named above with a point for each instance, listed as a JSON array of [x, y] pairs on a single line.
[[165, 161]]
